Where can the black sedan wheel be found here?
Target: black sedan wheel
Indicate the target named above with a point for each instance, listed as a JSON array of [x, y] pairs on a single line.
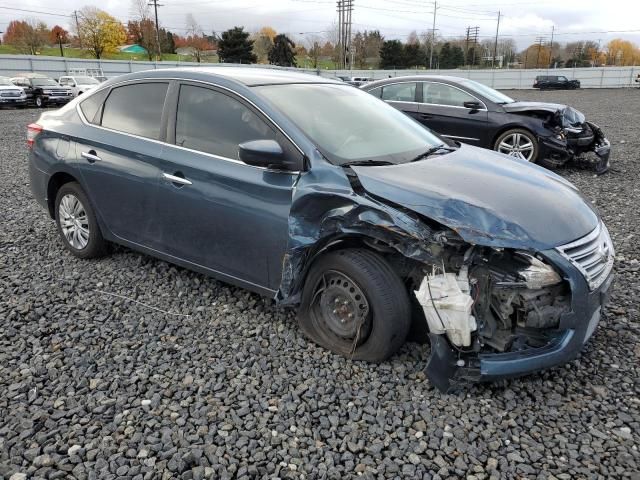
[[77, 224], [518, 143], [355, 305]]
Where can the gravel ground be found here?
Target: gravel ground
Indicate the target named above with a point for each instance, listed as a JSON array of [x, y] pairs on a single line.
[[94, 386]]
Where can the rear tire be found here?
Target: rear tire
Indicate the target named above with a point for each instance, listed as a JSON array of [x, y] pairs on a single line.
[[354, 304], [77, 223]]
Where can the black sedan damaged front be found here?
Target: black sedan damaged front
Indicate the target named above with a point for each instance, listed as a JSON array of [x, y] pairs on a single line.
[[569, 137]]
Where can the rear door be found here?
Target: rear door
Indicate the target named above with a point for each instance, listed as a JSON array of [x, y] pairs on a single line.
[[215, 211], [118, 158], [443, 110]]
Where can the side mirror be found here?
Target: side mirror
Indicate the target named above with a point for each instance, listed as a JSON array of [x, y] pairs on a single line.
[[472, 105], [263, 153]]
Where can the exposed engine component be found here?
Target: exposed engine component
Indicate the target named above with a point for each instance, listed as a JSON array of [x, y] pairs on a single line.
[[447, 303]]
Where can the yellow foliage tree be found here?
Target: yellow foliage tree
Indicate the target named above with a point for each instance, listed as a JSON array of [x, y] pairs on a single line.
[[536, 56], [622, 53], [268, 32], [100, 32]]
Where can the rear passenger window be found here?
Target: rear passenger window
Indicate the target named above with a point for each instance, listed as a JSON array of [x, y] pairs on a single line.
[[213, 122], [91, 106], [399, 92], [136, 109]]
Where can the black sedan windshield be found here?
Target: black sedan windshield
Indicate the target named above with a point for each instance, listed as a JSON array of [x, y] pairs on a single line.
[[348, 125], [44, 82]]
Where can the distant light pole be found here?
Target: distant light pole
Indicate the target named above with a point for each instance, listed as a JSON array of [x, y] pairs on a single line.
[[60, 43]]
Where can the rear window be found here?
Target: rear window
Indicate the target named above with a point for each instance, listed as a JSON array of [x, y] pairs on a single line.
[[136, 109]]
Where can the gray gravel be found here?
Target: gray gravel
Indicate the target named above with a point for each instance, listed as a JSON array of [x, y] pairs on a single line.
[[94, 386]]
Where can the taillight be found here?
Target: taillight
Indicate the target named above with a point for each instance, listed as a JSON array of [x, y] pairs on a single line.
[[33, 130]]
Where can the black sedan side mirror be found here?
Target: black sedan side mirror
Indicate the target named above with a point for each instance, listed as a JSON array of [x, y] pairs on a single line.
[[472, 105], [263, 153]]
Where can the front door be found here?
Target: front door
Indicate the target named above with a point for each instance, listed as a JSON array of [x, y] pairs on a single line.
[[443, 110], [215, 211]]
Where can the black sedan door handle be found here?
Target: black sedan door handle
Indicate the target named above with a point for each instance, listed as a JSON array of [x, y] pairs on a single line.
[[91, 156], [426, 116]]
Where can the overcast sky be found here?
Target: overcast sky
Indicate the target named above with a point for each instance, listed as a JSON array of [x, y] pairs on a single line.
[[524, 20]]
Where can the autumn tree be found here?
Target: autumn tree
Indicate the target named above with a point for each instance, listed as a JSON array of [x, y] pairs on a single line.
[[622, 53], [197, 44], [236, 47], [142, 30], [367, 48], [536, 56], [26, 36], [100, 32], [58, 35], [263, 42], [282, 53], [314, 50]]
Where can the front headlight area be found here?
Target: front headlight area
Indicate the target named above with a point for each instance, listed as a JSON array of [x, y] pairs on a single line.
[[494, 300]]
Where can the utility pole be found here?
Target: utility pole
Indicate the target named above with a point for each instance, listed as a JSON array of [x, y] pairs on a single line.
[[539, 42], [553, 27], [155, 5], [60, 44], [433, 35], [471, 37], [345, 9], [495, 44], [75, 14]]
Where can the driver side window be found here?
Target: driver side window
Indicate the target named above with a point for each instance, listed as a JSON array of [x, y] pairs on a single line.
[[441, 94], [213, 122]]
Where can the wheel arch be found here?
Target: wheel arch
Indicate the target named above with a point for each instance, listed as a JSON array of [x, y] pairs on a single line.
[[56, 181]]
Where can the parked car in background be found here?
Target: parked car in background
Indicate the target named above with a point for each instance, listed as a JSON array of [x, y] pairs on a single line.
[[359, 81], [557, 82], [78, 84], [322, 197], [463, 110], [41, 90], [11, 95]]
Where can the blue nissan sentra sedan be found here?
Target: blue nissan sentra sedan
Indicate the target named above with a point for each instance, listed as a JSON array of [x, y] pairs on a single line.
[[328, 200]]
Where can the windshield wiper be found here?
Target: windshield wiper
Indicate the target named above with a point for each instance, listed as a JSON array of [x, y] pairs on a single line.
[[432, 151], [368, 162]]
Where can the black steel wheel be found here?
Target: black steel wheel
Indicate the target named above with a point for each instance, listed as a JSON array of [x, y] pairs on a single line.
[[354, 304]]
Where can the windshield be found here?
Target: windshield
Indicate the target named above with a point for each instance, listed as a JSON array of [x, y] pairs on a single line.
[[86, 81], [43, 82], [349, 125], [487, 92]]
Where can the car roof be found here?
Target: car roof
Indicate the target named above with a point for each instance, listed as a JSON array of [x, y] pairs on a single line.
[[418, 78], [249, 76]]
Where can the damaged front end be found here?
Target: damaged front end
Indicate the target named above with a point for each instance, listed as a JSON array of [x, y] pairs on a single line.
[[575, 139]]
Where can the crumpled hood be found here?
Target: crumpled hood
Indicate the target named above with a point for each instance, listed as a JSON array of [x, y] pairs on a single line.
[[515, 107], [488, 198]]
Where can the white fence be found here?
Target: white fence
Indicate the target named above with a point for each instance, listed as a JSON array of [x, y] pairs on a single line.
[[599, 77]]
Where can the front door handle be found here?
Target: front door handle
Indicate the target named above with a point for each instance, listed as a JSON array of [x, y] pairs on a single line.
[[91, 156], [426, 116], [177, 179]]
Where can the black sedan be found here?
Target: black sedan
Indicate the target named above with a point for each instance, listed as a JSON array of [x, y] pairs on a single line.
[[467, 111]]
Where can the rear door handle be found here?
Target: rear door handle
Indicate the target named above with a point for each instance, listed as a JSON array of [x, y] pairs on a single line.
[[426, 116], [91, 156], [176, 179]]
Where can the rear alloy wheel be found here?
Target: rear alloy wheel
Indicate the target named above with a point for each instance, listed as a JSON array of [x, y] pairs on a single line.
[[355, 305], [518, 143], [77, 224]]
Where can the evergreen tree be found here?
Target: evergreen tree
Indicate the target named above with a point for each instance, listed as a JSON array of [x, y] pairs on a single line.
[[282, 52], [235, 47], [392, 54], [451, 56], [414, 55]]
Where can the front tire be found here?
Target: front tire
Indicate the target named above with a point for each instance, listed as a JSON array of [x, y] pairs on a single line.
[[518, 143], [354, 304], [39, 101], [77, 223]]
